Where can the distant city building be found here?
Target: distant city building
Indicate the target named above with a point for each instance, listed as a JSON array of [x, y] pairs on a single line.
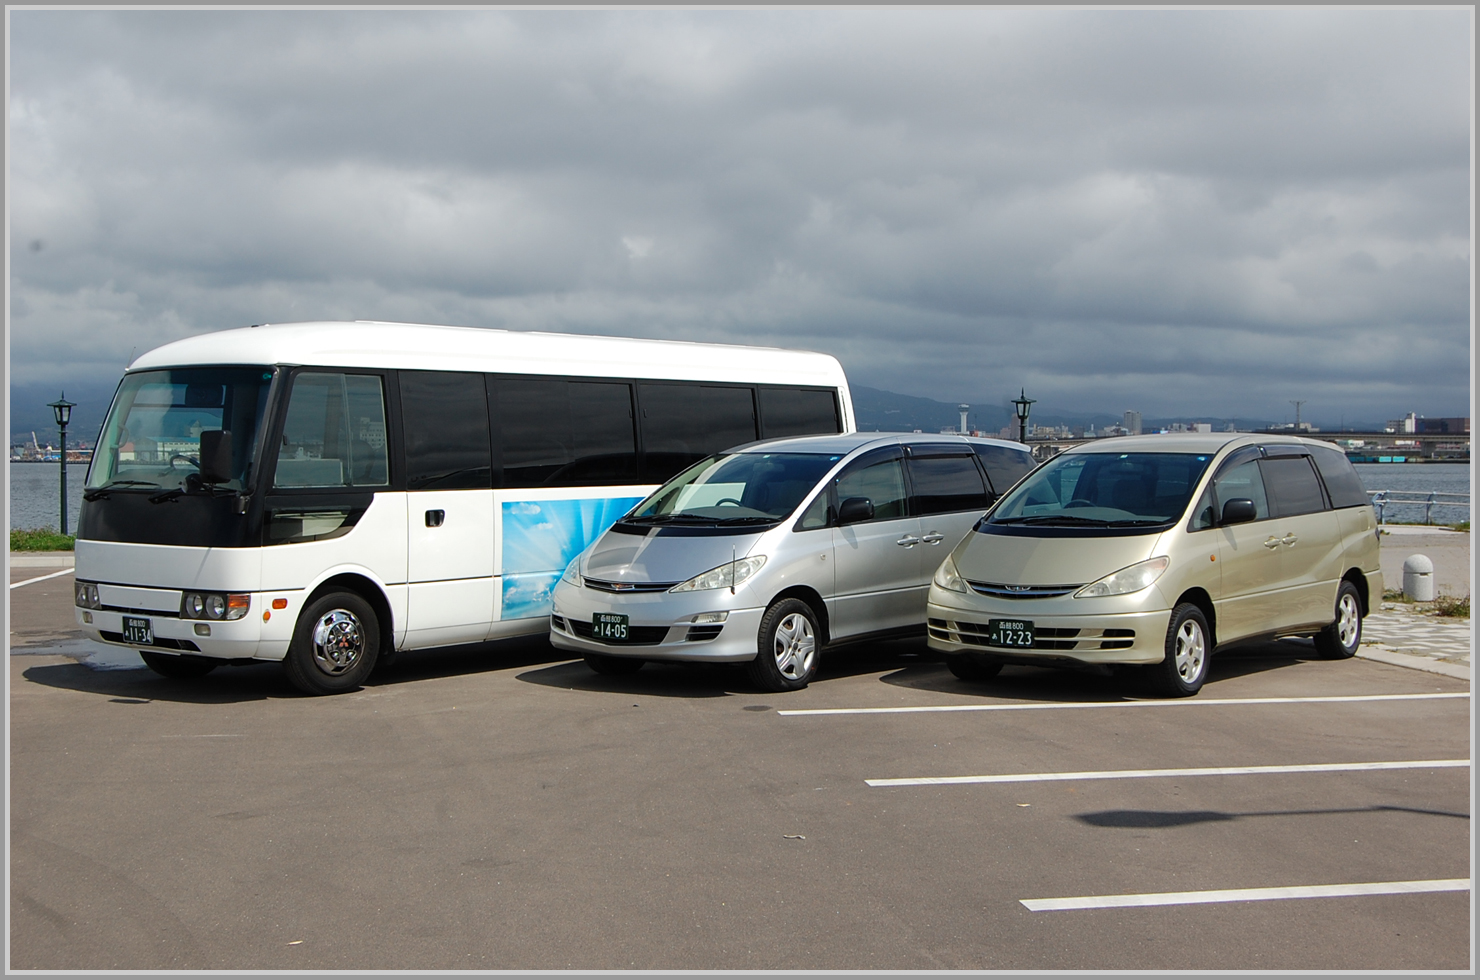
[[1202, 427], [1131, 423], [1408, 424], [1454, 425]]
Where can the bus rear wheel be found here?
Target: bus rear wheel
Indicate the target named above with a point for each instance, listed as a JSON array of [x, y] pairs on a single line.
[[334, 644]]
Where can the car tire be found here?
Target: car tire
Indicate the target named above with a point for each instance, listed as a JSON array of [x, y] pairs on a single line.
[[970, 668], [335, 644], [788, 646], [178, 668], [1189, 647], [613, 666], [1340, 640]]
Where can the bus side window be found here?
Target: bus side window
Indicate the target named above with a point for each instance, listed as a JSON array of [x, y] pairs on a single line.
[[554, 433], [683, 423], [797, 412], [334, 434], [445, 418]]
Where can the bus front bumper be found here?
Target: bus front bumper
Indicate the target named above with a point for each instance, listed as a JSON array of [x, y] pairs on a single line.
[[250, 638]]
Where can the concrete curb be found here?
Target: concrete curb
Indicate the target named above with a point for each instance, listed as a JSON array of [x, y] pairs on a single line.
[[1383, 655], [43, 559]]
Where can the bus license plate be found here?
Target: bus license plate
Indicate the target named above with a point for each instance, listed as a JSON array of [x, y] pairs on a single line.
[[1010, 632], [138, 631], [609, 626]]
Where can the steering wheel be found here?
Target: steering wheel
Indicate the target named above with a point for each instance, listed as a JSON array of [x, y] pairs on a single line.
[[1080, 502], [727, 500], [189, 459]]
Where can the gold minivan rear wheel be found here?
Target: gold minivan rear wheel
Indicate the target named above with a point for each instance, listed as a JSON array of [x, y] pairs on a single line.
[[1189, 646]]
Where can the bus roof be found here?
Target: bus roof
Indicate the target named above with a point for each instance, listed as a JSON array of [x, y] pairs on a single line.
[[375, 344]]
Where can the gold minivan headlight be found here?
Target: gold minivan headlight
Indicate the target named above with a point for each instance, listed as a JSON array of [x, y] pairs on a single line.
[[1132, 578], [947, 577]]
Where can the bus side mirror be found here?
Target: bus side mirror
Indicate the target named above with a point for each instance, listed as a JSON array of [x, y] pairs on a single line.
[[1239, 510], [215, 456], [855, 509]]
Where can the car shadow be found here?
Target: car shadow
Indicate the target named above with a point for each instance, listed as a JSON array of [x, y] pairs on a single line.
[[1141, 819]]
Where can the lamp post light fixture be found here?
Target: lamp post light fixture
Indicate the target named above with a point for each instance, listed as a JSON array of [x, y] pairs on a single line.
[[1022, 403], [62, 409]]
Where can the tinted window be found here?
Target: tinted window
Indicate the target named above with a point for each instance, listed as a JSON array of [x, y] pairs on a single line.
[[1342, 481], [795, 412], [881, 482], [942, 484], [1291, 485], [1205, 515], [1082, 489], [551, 433], [684, 423], [445, 420], [1242, 482], [334, 434], [744, 487], [1004, 466]]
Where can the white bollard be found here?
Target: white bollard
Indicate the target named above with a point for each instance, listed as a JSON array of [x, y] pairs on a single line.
[[1418, 578]]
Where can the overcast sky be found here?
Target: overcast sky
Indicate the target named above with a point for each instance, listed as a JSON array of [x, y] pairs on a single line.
[[1188, 213]]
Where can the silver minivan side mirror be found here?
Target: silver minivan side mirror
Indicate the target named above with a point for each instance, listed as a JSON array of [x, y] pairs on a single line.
[[855, 509]]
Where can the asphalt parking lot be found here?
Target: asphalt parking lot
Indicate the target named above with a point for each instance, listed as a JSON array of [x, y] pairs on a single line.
[[502, 807]]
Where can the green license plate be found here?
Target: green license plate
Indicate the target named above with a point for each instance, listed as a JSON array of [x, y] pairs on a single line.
[[609, 626], [139, 631], [1010, 633]]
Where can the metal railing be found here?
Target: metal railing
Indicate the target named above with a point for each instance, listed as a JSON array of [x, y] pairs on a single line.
[[1413, 498]]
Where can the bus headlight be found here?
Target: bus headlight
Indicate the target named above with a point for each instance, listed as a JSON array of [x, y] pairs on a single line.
[[1132, 578], [87, 595], [726, 576], [214, 605]]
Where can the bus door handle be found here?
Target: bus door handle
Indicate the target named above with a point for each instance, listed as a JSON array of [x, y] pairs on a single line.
[[436, 517]]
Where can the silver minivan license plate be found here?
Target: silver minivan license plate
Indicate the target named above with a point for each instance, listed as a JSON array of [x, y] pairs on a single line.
[[609, 626], [138, 631], [1010, 633]]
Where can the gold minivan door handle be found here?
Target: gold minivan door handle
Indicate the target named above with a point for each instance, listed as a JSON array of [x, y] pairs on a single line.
[[1272, 542], [1290, 539]]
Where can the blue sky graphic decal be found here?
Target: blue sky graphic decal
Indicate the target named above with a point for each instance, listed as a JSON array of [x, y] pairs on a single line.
[[540, 539]]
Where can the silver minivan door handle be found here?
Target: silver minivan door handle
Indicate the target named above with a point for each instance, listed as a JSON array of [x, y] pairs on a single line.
[[934, 537], [1271, 542], [908, 541]]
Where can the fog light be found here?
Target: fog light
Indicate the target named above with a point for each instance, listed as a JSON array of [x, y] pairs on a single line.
[[202, 629], [710, 617], [87, 617]]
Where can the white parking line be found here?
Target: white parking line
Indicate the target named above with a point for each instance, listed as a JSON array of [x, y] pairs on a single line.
[[1190, 702], [1247, 895], [42, 578], [1048, 777]]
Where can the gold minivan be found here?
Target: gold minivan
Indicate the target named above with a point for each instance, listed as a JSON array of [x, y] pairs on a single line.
[[1156, 549]]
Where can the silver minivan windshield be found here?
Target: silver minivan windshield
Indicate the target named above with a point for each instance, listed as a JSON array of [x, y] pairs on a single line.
[[1104, 490], [741, 488]]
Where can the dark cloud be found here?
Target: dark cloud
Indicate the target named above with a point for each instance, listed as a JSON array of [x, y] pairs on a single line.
[[1188, 212]]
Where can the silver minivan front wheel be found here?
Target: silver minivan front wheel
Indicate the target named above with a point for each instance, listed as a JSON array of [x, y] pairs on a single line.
[[1188, 647], [787, 647]]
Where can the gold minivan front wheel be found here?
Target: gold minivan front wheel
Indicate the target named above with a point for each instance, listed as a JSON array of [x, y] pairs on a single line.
[[1189, 646]]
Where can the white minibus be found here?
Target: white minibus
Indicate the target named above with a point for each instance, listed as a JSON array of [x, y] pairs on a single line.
[[327, 494]]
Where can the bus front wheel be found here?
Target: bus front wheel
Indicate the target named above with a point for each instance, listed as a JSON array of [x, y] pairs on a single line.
[[334, 644]]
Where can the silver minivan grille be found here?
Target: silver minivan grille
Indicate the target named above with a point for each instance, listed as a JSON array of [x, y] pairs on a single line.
[[1023, 591], [625, 587]]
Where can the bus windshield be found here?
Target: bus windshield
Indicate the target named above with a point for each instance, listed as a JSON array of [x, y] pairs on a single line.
[[152, 437], [743, 488], [1105, 490]]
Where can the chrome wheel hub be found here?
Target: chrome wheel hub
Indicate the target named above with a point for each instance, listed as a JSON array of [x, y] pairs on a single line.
[[1348, 620], [338, 642], [1191, 651], [795, 646]]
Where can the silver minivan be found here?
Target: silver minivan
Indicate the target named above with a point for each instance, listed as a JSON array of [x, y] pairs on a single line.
[[1154, 550], [769, 552]]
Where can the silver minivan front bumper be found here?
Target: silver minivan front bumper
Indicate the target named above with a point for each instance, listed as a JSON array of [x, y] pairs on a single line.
[[662, 623]]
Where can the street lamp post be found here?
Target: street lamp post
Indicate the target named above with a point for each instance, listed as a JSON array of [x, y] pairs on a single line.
[[1022, 402], [63, 411]]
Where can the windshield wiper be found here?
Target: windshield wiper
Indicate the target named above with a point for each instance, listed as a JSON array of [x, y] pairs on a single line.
[[746, 520], [107, 488], [670, 519], [1145, 522], [1050, 519]]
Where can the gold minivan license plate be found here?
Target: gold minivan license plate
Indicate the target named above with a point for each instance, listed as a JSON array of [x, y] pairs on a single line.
[[1010, 633], [609, 626]]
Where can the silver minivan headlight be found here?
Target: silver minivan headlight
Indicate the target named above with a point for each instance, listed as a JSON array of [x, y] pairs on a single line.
[[726, 576], [573, 570], [947, 577], [1132, 578]]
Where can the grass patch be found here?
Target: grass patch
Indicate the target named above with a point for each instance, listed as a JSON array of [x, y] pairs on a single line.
[[1456, 606], [41, 539]]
